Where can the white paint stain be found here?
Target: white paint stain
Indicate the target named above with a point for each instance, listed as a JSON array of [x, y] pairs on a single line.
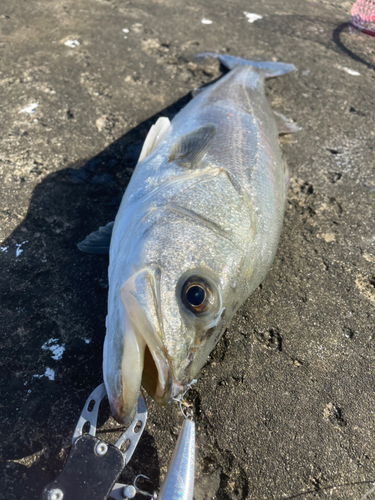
[[49, 373], [30, 109], [125, 30], [252, 17], [321, 352], [56, 349], [206, 21], [86, 341], [72, 43], [4, 249], [349, 71], [18, 249]]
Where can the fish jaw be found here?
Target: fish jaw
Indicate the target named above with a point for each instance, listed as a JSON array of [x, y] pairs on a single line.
[[123, 391], [142, 360]]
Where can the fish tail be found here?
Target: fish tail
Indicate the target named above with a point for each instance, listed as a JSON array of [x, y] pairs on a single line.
[[270, 69]]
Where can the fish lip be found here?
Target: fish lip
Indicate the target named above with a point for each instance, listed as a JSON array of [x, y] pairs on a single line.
[[135, 323], [143, 333], [123, 402], [118, 413], [161, 392]]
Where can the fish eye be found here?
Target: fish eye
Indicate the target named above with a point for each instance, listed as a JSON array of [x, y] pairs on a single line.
[[197, 295]]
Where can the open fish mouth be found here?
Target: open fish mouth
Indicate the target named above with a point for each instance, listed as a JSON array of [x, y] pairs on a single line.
[[144, 360], [142, 365], [156, 377]]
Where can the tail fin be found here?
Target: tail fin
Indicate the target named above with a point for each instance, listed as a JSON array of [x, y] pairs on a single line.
[[268, 68]]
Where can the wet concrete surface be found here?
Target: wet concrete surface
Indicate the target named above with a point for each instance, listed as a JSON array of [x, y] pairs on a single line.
[[285, 404]]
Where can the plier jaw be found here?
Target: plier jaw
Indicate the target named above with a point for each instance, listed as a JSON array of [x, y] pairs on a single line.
[[93, 466]]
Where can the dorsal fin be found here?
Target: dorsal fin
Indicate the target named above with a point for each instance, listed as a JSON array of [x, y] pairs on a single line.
[[189, 149], [154, 136]]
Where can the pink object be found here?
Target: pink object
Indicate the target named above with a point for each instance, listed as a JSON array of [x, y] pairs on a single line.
[[363, 16]]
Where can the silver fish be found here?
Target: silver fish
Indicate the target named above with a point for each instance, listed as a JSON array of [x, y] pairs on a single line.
[[196, 233]]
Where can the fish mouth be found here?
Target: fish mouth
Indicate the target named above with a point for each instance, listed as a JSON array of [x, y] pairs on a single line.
[[142, 365], [156, 377], [144, 358]]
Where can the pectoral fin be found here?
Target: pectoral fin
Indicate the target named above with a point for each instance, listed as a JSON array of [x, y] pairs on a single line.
[[99, 241], [189, 149]]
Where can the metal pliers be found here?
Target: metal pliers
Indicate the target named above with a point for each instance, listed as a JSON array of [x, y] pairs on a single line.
[[93, 466]]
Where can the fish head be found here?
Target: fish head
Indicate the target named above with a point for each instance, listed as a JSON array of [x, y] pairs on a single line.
[[168, 323]]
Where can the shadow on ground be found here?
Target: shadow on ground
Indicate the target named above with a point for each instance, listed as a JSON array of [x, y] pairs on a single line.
[[55, 297]]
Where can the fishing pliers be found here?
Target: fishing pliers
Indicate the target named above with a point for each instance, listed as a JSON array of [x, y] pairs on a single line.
[[93, 466]]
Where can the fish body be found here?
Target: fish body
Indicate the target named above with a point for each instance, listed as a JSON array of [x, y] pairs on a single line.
[[196, 232]]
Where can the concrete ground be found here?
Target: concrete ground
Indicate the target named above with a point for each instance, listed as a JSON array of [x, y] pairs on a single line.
[[285, 404]]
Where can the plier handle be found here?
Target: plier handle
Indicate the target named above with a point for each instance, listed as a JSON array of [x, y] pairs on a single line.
[[93, 466]]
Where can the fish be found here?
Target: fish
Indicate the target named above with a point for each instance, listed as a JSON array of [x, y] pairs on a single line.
[[196, 233]]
